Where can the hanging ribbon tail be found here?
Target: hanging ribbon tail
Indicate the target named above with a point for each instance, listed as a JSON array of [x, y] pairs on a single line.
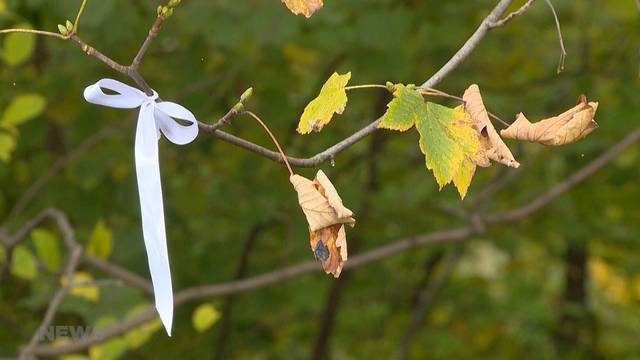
[[151, 206]]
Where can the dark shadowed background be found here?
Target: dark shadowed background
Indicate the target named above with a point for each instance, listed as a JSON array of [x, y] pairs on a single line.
[[563, 283]]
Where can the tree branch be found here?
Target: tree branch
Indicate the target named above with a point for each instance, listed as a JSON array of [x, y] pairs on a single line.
[[74, 258], [454, 235], [506, 19]]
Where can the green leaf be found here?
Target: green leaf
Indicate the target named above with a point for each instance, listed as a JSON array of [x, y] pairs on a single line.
[[139, 335], [101, 241], [332, 99], [448, 139], [47, 249], [204, 317], [7, 145], [18, 47], [23, 263], [3, 254], [22, 108], [404, 110], [89, 291], [109, 350]]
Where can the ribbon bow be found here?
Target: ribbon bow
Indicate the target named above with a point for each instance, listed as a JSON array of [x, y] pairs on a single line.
[[154, 119]]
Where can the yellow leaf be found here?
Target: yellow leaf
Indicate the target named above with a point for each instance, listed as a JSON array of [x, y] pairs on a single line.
[[204, 317], [566, 128], [305, 7], [462, 178], [332, 99], [83, 289]]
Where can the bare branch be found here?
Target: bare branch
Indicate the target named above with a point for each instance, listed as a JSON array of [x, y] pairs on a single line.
[[36, 32], [468, 46], [506, 19], [563, 51], [74, 258], [544, 199], [152, 34]]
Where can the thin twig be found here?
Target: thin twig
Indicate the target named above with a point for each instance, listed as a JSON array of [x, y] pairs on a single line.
[[563, 51], [41, 181], [153, 32], [506, 19], [468, 46], [74, 259], [32, 31]]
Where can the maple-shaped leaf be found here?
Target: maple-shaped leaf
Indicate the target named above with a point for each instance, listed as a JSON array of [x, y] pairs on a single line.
[[305, 7], [495, 148], [326, 215], [331, 100], [566, 128], [404, 110], [448, 140]]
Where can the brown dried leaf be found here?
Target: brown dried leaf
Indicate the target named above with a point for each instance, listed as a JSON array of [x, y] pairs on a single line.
[[326, 216], [329, 246], [495, 148], [566, 128], [305, 7], [320, 202]]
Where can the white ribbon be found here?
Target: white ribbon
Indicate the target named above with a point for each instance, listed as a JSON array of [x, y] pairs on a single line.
[[154, 118]]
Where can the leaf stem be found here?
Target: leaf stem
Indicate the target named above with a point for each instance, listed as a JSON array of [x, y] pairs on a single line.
[[500, 120], [435, 92], [273, 138], [365, 86]]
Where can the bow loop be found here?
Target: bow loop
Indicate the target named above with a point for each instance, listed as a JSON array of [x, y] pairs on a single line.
[[125, 97], [165, 115]]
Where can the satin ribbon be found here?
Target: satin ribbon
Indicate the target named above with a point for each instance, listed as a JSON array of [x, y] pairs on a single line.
[[154, 119]]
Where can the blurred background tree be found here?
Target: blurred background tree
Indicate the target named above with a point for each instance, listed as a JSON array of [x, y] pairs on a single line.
[[564, 283]]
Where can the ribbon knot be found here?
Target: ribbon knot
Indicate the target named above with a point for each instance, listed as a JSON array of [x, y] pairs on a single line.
[[154, 119]]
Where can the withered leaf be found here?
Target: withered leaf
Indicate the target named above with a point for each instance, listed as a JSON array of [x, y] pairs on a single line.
[[566, 128], [305, 7], [326, 215], [495, 148], [329, 246]]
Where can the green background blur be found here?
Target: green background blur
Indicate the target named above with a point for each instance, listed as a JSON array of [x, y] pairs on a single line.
[[505, 297]]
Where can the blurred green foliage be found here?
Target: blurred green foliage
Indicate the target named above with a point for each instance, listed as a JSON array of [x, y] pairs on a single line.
[[506, 299]]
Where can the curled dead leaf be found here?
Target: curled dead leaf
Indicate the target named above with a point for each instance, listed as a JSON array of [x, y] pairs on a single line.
[[305, 7], [566, 128], [495, 148], [326, 215]]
